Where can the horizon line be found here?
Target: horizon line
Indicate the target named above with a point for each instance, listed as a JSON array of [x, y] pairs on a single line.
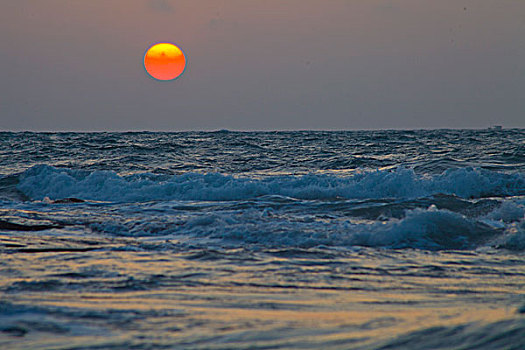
[[493, 127]]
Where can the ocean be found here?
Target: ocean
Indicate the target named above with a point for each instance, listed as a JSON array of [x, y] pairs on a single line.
[[263, 240]]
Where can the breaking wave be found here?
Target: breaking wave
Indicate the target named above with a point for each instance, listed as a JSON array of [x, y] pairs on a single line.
[[43, 181], [429, 229]]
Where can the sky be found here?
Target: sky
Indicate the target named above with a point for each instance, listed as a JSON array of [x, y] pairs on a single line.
[[263, 64]]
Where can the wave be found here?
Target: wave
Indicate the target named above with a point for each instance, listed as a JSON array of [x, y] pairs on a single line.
[[43, 181], [428, 229]]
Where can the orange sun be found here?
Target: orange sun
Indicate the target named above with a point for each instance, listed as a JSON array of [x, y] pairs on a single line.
[[164, 61]]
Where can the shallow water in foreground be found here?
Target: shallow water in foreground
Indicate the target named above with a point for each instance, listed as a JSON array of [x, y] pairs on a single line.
[[305, 240]]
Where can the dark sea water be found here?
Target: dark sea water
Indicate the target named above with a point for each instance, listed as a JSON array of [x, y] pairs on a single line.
[[263, 240]]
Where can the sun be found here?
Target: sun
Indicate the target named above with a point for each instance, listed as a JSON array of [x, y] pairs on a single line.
[[164, 61]]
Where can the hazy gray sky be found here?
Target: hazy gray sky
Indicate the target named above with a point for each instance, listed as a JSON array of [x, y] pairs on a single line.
[[263, 64]]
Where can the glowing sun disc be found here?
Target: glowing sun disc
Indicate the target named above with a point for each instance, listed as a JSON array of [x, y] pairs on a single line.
[[164, 61]]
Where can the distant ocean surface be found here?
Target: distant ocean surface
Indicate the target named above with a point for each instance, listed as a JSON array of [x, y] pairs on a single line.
[[263, 240]]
